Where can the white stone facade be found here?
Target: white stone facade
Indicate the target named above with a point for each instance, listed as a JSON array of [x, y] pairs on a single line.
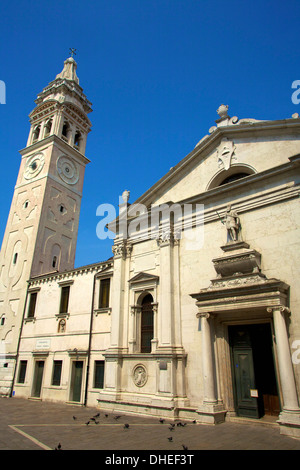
[[187, 309], [80, 334]]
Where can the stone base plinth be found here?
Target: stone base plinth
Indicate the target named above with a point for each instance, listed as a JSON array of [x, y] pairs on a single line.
[[289, 422], [211, 414]]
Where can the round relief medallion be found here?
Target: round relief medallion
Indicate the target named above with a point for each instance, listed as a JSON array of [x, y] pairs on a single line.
[[139, 375], [34, 165], [67, 170]]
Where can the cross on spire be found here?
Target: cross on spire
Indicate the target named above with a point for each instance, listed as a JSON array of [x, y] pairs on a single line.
[[72, 51]]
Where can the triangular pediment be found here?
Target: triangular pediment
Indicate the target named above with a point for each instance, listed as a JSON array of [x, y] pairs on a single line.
[[143, 277], [232, 147], [106, 271]]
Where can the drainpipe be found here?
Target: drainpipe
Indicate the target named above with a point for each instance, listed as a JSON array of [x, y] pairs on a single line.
[[19, 342], [90, 343]]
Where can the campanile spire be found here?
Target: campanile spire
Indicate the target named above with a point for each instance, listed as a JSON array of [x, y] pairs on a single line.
[[41, 231]]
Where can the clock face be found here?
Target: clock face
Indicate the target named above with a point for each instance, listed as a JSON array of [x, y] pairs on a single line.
[[34, 165], [67, 170]]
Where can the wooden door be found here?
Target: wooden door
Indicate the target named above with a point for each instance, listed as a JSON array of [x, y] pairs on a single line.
[[38, 378], [247, 405], [76, 381], [243, 373], [253, 370]]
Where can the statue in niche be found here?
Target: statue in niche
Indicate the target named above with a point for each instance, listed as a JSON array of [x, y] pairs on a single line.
[[62, 326], [232, 223]]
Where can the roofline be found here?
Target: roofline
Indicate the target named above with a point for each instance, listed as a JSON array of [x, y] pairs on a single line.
[[208, 140], [87, 267]]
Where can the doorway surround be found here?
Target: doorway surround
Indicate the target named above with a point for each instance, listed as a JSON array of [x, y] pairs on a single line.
[[242, 294]]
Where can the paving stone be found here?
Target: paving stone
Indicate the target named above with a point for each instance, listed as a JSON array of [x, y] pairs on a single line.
[[36, 425]]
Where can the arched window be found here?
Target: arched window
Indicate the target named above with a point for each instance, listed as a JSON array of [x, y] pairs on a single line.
[[234, 173], [146, 323], [77, 139], [55, 257], [234, 177], [36, 133], [65, 130], [48, 127]]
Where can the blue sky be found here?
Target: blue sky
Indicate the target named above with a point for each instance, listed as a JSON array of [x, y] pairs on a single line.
[[156, 71]]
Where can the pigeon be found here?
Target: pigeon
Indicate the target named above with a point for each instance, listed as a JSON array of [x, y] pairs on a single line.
[[87, 423], [170, 439], [58, 447], [126, 426], [106, 415], [97, 415], [74, 417], [194, 421], [171, 428], [184, 447], [161, 420], [117, 417]]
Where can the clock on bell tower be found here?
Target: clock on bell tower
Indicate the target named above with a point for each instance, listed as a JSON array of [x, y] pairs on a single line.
[[41, 230]]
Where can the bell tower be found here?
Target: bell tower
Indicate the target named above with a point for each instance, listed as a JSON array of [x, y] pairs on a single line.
[[42, 226]]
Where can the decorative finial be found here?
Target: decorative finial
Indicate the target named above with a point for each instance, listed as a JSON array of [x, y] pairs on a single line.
[[125, 196], [222, 111], [72, 51]]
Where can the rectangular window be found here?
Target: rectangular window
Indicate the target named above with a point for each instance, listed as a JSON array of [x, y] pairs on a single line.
[[104, 293], [22, 372], [32, 304], [64, 299], [57, 366], [99, 374]]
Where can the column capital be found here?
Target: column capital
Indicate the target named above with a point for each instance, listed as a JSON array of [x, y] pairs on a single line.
[[122, 250], [206, 315], [280, 308], [135, 309], [168, 237]]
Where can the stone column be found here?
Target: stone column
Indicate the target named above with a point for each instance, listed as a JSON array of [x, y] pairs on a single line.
[[135, 311], [289, 418], [207, 360], [117, 297], [154, 341], [289, 393], [113, 355], [211, 411], [166, 295]]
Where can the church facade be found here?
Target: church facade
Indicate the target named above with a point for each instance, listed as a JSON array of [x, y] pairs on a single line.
[[196, 315]]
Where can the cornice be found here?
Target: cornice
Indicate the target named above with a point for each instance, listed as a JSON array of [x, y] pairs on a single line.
[[61, 276], [50, 139], [208, 142], [69, 87]]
